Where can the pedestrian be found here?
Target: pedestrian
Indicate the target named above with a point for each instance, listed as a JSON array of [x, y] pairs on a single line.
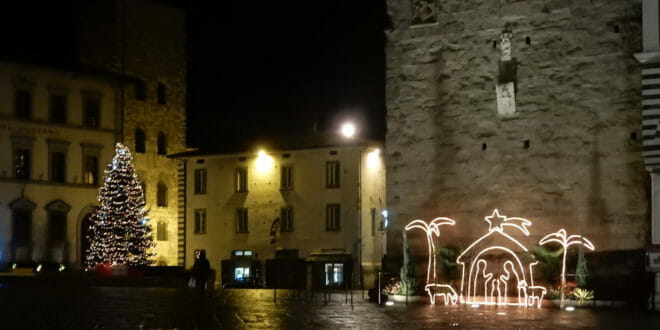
[[201, 270]]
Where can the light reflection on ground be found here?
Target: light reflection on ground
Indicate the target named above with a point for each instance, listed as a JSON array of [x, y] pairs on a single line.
[[78, 307]]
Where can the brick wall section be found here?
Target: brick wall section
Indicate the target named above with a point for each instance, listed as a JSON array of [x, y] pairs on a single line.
[[577, 99], [152, 44]]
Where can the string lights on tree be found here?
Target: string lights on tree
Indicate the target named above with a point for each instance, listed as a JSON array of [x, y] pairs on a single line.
[[119, 231]]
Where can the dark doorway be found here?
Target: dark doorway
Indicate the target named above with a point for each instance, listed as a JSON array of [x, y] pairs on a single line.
[[84, 240]]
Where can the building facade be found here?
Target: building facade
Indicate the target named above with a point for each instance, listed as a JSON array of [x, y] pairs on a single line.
[[649, 58], [531, 107], [300, 217], [57, 129], [146, 41], [125, 82]]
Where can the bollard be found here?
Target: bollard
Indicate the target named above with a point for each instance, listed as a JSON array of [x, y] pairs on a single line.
[[379, 274]]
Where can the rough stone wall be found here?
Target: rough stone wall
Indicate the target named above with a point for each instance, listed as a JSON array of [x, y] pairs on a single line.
[[578, 100], [148, 40]]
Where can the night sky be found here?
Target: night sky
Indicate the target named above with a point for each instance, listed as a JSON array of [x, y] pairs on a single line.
[[274, 68], [255, 68]]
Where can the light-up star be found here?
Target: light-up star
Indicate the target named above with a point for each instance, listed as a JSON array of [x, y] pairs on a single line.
[[495, 221]]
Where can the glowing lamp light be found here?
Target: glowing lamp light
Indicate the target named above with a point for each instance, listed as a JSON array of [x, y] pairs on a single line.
[[501, 313], [389, 303], [264, 161], [373, 159], [570, 308], [348, 130], [39, 268], [474, 305]]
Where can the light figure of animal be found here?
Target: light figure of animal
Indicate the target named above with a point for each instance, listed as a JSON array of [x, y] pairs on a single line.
[[442, 290]]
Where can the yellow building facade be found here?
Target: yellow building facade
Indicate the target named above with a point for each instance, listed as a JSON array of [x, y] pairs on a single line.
[[292, 217]]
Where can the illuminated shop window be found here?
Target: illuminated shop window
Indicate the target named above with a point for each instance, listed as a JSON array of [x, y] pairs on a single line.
[[241, 273], [334, 274]]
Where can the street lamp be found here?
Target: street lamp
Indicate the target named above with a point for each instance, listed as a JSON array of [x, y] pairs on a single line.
[[348, 130]]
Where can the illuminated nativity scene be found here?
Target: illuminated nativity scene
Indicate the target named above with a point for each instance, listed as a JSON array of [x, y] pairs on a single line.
[[496, 269]]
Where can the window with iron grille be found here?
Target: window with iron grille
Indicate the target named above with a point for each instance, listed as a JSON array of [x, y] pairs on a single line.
[[332, 217]]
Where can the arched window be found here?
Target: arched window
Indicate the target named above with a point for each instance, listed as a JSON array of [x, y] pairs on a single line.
[[161, 93], [140, 141], [162, 143], [161, 199], [161, 231]]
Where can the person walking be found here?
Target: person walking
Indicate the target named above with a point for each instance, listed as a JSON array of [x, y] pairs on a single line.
[[200, 271]]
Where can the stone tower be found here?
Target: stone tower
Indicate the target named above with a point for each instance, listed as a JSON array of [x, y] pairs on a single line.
[[146, 42], [531, 107]]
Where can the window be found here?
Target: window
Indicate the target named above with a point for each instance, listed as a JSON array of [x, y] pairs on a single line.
[[241, 220], [22, 227], [286, 181], [140, 90], [91, 112], [23, 103], [161, 91], [334, 274], [332, 174], [162, 144], [200, 181], [56, 228], [58, 166], [140, 141], [161, 196], [22, 163], [286, 215], [200, 221], [58, 108], [241, 253], [373, 222], [332, 218], [91, 169], [241, 179], [161, 231], [241, 273]]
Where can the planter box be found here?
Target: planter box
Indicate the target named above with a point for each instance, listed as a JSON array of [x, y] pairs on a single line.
[[411, 299]]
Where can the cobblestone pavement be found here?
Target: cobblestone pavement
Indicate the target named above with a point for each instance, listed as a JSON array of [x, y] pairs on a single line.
[[77, 307]]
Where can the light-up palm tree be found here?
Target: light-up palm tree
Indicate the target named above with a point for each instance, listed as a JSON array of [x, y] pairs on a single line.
[[430, 229], [565, 241]]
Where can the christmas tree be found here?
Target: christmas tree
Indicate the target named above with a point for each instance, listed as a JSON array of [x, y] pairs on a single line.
[[119, 233]]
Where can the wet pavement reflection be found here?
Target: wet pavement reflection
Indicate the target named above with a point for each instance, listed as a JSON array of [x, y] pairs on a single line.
[[71, 307]]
